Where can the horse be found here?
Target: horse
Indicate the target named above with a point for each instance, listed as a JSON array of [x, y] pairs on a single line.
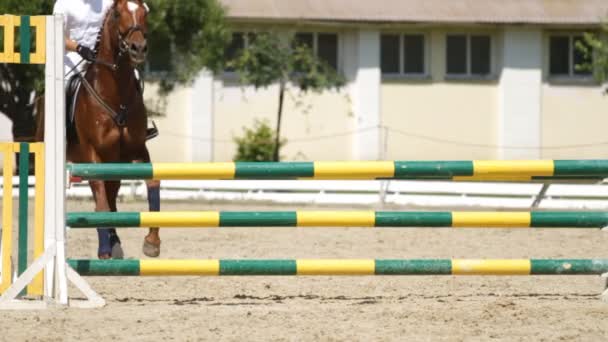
[[110, 119]]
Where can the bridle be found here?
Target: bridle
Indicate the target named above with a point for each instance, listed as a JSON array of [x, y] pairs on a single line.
[[123, 45]]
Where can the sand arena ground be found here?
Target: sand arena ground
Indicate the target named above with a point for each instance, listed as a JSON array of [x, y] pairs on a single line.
[[440, 308]]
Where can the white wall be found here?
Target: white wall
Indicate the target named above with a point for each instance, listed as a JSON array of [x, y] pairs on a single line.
[[520, 94]]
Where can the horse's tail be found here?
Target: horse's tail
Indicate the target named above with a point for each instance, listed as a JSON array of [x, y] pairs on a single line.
[[39, 118]]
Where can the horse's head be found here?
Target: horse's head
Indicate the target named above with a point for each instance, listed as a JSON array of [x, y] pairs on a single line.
[[131, 16]]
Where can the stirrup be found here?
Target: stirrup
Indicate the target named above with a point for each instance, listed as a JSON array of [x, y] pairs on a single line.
[[152, 132]]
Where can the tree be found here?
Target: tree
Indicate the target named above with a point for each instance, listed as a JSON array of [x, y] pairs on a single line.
[[257, 143], [272, 58], [196, 34], [594, 48]]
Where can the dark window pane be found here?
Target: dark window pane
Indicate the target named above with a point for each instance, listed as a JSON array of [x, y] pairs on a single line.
[[2, 39], [304, 39], [480, 55], [236, 46], [389, 54], [582, 62], [559, 55], [327, 49], [457, 54], [413, 52], [159, 57]]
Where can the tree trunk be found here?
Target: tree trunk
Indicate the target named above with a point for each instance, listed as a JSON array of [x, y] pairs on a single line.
[[277, 141]]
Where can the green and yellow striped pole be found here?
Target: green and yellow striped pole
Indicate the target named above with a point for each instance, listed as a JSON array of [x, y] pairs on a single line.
[[339, 267], [454, 170], [386, 219]]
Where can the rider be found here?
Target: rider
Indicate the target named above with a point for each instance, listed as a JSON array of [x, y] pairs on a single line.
[[83, 19]]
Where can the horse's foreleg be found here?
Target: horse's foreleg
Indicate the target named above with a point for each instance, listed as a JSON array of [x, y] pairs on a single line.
[[100, 195], [151, 246], [112, 188], [152, 241]]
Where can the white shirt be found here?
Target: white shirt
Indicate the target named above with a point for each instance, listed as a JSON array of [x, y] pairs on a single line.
[[83, 20]]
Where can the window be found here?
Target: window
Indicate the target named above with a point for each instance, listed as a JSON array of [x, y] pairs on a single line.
[[565, 59], [237, 44], [403, 54], [323, 45], [469, 55]]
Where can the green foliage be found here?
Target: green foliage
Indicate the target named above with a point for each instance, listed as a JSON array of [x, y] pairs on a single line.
[[272, 58], [595, 49], [257, 144], [194, 31]]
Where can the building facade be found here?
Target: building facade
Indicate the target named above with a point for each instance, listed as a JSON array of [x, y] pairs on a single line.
[[475, 79]]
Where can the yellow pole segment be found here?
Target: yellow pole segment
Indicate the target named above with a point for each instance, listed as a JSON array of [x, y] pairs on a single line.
[[16, 23], [39, 57], [194, 171], [7, 215], [491, 267], [336, 267], [180, 219], [7, 22], [491, 219], [336, 218], [36, 287], [513, 168]]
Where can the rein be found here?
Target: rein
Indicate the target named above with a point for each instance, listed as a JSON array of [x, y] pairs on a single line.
[[119, 117]]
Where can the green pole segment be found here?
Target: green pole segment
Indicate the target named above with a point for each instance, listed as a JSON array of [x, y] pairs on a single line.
[[569, 266], [256, 219], [24, 167], [106, 267], [581, 167], [581, 219], [112, 171], [413, 219], [24, 39], [265, 170], [414, 267], [103, 219]]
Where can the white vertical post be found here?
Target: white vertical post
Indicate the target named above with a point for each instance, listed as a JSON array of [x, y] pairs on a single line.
[[54, 137], [520, 93], [201, 118], [367, 100]]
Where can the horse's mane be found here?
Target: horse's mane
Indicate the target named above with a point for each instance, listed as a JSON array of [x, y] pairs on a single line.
[[100, 33]]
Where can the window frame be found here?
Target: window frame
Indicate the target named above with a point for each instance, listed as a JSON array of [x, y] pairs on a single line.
[[491, 75], [315, 44], [426, 74], [571, 76]]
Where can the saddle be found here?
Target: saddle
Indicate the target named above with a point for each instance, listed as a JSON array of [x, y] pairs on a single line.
[[71, 95], [74, 84]]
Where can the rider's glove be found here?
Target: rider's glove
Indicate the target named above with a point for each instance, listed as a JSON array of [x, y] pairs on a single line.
[[86, 53]]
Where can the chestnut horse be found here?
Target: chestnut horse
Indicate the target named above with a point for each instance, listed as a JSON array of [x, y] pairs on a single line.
[[110, 116]]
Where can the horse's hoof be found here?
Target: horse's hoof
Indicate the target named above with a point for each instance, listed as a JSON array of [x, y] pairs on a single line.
[[117, 252], [151, 250]]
